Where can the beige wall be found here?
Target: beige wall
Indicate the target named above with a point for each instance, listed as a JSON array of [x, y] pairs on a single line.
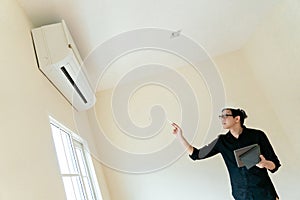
[[262, 78], [186, 178], [29, 168], [102, 179], [171, 182], [272, 54]]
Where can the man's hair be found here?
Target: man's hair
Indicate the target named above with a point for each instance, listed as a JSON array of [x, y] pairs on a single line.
[[237, 112]]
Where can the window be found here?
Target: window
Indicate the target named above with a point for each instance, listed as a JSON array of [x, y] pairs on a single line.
[[75, 164]]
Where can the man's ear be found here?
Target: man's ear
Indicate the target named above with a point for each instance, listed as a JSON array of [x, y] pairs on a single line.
[[237, 118]]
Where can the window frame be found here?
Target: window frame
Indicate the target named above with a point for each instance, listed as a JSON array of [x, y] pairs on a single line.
[[75, 138]]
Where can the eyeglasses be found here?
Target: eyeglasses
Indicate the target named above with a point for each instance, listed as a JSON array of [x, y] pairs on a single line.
[[224, 116]]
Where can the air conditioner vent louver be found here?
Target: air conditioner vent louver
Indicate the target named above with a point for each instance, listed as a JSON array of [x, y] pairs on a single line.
[[66, 73], [59, 60]]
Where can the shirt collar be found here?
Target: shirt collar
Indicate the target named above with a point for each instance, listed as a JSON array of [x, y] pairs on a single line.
[[231, 137]]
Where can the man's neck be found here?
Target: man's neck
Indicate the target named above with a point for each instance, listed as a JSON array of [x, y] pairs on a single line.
[[236, 131]]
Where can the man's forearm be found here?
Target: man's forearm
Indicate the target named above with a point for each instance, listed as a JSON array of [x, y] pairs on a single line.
[[186, 144], [178, 132]]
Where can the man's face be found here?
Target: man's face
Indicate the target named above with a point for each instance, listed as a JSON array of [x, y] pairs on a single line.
[[227, 119]]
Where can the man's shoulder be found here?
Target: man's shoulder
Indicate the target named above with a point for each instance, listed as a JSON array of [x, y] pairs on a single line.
[[254, 131]]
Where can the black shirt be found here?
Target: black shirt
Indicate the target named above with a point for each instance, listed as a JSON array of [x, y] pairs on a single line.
[[253, 183]]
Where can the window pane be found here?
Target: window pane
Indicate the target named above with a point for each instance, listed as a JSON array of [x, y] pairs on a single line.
[[84, 170], [70, 190], [78, 185], [69, 153], [81, 162], [73, 164], [73, 188], [59, 146], [88, 188]]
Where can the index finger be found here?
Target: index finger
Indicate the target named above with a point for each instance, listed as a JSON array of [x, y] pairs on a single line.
[[175, 125]]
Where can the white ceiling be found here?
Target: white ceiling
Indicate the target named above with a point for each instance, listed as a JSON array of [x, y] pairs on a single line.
[[220, 26]]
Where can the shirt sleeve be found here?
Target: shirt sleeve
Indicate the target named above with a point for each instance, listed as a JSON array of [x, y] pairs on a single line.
[[206, 151], [268, 152]]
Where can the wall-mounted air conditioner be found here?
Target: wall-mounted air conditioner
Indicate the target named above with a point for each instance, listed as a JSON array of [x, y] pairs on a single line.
[[59, 59]]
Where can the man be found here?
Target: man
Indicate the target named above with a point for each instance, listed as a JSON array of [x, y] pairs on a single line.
[[246, 184]]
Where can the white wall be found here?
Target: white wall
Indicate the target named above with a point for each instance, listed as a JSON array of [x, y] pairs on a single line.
[[262, 78], [179, 180], [185, 178], [29, 168]]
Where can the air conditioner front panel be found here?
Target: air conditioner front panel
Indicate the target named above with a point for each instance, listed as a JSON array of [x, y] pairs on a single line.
[[56, 42], [73, 86], [61, 64]]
